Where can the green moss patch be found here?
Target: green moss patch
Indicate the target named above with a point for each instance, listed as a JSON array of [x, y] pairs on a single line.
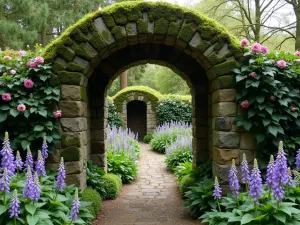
[[70, 154]]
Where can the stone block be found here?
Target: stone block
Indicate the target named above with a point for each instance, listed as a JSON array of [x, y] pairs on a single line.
[[77, 139], [98, 147], [247, 141], [224, 109], [73, 109], [221, 171], [250, 155], [73, 93], [77, 179], [226, 140], [99, 135], [224, 95], [225, 156], [200, 132], [222, 123], [104, 31], [99, 159], [54, 156], [73, 124], [75, 167]]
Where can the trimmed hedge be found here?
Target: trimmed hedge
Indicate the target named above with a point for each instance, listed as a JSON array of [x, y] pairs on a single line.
[[90, 195], [112, 185], [185, 183], [148, 138]]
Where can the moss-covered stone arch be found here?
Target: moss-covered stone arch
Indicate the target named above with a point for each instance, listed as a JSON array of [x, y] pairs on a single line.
[[89, 55]]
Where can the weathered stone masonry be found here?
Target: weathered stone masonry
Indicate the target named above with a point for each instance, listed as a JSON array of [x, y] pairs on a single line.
[[90, 54]]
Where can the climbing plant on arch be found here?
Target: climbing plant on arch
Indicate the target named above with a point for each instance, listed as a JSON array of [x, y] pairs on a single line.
[[91, 53]]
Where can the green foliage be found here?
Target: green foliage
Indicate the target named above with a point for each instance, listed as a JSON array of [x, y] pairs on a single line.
[[94, 179], [203, 170], [112, 186], [114, 117], [200, 198], [173, 108], [30, 126], [272, 94], [179, 155], [185, 184], [183, 169], [147, 138], [90, 195]]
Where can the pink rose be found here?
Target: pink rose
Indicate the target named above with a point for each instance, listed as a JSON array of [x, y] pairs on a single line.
[[21, 52], [272, 98], [293, 108], [244, 43], [297, 53], [57, 114], [7, 57], [281, 64], [256, 47], [264, 50], [39, 60], [245, 104], [32, 64], [4, 74], [28, 83], [21, 107], [12, 72], [253, 75], [6, 97]]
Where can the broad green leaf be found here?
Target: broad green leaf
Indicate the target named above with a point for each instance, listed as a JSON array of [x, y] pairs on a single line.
[[238, 78], [30, 208], [32, 220], [3, 116], [43, 113], [255, 84], [260, 138], [273, 130], [247, 218], [266, 122], [3, 209], [269, 110], [14, 112], [38, 128], [251, 112], [247, 125], [260, 98], [285, 209], [280, 216]]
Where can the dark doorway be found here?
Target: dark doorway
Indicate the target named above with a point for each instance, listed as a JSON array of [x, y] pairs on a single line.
[[137, 118]]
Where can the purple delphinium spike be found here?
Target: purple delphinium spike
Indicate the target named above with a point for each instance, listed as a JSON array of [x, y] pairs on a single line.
[[255, 186], [290, 177], [28, 190], [45, 149], [14, 206], [61, 176], [245, 170], [298, 160], [18, 162], [280, 174], [233, 180], [40, 165], [36, 190], [270, 171], [217, 193], [29, 159], [75, 207], [7, 156], [5, 181]]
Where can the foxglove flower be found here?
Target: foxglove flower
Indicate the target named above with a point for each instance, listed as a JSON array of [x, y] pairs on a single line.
[[280, 175], [61, 176], [298, 160], [290, 177], [40, 165], [75, 207], [7, 156], [28, 190], [217, 193], [245, 170], [14, 206], [18, 162], [36, 190], [5, 181], [45, 149], [233, 180], [255, 186], [29, 159], [270, 171]]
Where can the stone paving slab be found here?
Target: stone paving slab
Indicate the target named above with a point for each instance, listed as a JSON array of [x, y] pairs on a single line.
[[152, 199]]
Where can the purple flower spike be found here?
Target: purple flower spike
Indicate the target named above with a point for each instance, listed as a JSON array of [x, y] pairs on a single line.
[[45, 149], [61, 176], [36, 188], [290, 177], [14, 206], [7, 156], [18, 162], [28, 190], [40, 165], [245, 170], [270, 171], [217, 193], [75, 207], [233, 180], [29, 159], [5, 181], [280, 175], [255, 186], [298, 160]]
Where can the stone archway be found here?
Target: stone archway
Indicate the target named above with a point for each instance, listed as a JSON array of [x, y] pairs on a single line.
[[90, 54]]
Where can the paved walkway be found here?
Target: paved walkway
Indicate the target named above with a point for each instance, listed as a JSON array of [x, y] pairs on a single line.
[[152, 199]]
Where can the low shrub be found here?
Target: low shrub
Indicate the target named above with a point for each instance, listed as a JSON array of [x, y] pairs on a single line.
[[112, 185], [91, 195], [114, 117], [148, 138], [185, 183], [94, 179], [182, 170]]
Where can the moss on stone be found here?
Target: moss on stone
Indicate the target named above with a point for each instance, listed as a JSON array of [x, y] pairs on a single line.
[[161, 26], [66, 77], [81, 51], [75, 67], [215, 59], [70, 154], [142, 26], [58, 66], [83, 94], [78, 36], [68, 141], [186, 32], [226, 82], [54, 81], [105, 35], [108, 20], [203, 45], [120, 16], [96, 40], [118, 33], [173, 29], [224, 68]]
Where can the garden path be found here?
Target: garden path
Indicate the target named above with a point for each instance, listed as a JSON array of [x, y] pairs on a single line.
[[152, 199]]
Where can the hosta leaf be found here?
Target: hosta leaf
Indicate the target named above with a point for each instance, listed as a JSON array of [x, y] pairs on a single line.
[[30, 208], [247, 218], [32, 220], [38, 128], [280, 216], [273, 130]]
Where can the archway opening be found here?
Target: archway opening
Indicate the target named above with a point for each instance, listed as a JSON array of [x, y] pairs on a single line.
[[137, 118]]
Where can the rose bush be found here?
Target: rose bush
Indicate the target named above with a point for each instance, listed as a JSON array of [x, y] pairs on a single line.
[[29, 95]]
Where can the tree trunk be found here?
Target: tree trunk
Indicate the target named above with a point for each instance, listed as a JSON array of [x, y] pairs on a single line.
[[123, 80], [257, 21], [43, 37], [75, 5], [297, 41]]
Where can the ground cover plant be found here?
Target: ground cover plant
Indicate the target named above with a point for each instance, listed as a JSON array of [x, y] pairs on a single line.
[[30, 196], [123, 152], [167, 133], [114, 117]]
